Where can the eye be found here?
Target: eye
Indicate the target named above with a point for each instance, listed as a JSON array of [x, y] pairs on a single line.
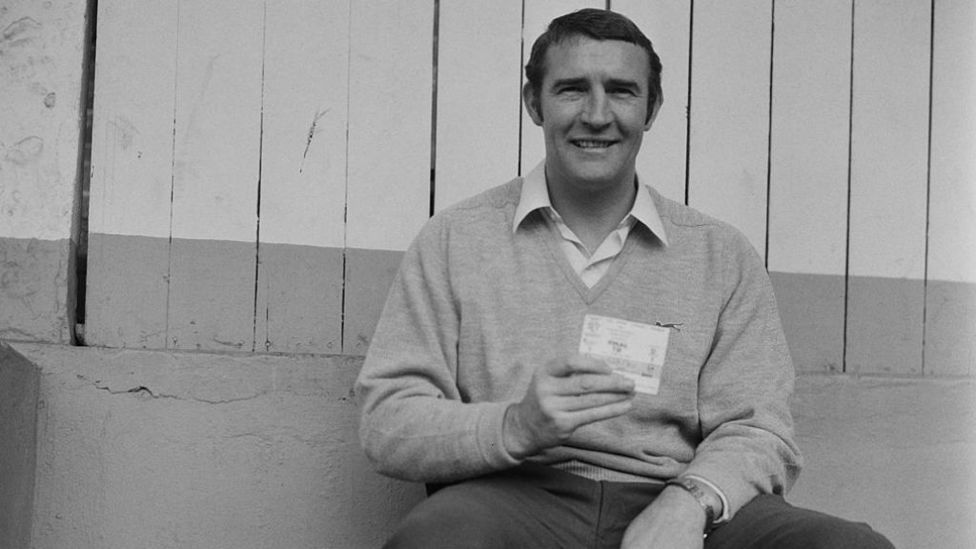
[[622, 92]]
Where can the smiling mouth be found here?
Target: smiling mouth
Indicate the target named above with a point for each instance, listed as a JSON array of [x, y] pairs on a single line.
[[595, 144]]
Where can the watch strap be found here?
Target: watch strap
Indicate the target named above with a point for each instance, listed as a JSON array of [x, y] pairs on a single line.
[[697, 492]]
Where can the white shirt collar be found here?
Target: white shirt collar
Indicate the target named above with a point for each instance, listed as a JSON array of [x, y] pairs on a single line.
[[535, 195]]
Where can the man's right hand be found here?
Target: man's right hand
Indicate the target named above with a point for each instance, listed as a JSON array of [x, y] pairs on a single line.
[[564, 395]]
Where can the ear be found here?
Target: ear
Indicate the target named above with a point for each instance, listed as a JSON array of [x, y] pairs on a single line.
[[532, 104], [655, 109]]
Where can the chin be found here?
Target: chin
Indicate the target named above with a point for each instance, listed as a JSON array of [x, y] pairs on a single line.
[[596, 175]]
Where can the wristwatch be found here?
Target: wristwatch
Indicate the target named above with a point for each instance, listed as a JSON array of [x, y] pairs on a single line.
[[694, 488]]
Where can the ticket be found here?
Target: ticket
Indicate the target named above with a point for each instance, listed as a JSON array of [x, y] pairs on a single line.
[[632, 349]]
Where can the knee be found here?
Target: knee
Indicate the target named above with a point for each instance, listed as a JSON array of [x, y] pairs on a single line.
[[826, 532], [771, 522], [434, 524]]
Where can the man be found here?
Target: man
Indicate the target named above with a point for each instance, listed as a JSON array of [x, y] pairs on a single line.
[[572, 360]]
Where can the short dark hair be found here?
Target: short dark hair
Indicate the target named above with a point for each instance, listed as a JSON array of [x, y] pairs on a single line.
[[597, 24]]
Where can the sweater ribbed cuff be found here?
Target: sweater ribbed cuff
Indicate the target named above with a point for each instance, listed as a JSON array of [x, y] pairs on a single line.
[[491, 439]]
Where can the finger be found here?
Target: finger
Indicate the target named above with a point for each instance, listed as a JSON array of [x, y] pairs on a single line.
[[601, 413], [576, 364], [592, 400], [581, 384]]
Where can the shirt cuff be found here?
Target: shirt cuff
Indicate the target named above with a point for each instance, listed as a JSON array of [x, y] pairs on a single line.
[[724, 517]]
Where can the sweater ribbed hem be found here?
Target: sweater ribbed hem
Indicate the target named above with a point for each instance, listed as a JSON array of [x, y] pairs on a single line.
[[594, 472]]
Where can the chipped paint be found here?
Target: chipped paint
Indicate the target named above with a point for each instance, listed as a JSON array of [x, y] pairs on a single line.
[[41, 57], [26, 151], [19, 33], [34, 300]]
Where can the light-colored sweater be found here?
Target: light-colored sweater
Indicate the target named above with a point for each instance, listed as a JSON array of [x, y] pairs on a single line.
[[476, 307]]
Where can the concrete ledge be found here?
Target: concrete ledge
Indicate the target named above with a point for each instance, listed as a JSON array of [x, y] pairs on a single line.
[[19, 381], [163, 449], [175, 450], [897, 453]]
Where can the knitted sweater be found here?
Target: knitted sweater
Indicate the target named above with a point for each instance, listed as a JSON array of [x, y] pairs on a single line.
[[476, 307]]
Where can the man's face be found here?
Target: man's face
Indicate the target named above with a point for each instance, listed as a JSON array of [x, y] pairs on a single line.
[[592, 106]]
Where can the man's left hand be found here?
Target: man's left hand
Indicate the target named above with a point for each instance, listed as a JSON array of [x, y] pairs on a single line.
[[674, 520]]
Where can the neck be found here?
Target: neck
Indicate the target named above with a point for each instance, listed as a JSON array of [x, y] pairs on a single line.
[[593, 214]]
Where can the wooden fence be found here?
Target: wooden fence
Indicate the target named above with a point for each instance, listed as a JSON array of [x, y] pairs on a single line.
[[258, 166]]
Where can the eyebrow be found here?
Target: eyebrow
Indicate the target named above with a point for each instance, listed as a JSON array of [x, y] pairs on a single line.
[[613, 82]]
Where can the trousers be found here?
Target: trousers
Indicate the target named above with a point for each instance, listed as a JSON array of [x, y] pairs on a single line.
[[541, 507]]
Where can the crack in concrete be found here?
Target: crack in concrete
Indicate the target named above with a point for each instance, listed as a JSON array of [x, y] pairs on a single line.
[[146, 393]]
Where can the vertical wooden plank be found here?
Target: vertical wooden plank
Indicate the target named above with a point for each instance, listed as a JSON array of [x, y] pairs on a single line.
[[303, 163], [950, 319], [389, 122], [131, 173], [537, 15], [662, 159], [388, 181], [888, 185], [218, 133], [809, 143], [369, 274], [730, 113], [478, 97]]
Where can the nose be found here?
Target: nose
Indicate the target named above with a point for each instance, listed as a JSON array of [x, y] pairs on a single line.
[[596, 111]]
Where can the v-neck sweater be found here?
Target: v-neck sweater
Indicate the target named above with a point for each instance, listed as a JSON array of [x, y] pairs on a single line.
[[475, 308]]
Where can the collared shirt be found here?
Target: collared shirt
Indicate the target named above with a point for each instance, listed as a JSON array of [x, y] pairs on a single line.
[[590, 266]]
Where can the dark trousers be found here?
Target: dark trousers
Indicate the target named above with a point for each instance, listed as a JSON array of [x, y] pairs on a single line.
[[535, 506]]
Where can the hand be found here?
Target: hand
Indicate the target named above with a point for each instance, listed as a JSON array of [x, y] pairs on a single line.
[[673, 520], [563, 396]]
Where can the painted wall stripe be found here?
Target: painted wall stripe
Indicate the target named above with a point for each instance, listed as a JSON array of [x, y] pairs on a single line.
[[369, 274], [211, 298], [35, 302], [128, 282], [811, 307], [299, 297]]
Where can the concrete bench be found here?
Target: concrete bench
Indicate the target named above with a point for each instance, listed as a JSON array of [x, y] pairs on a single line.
[[164, 449], [19, 382]]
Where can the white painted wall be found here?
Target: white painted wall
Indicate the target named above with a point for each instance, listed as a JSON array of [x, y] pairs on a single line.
[[479, 105], [729, 143], [41, 117], [952, 196], [810, 137]]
